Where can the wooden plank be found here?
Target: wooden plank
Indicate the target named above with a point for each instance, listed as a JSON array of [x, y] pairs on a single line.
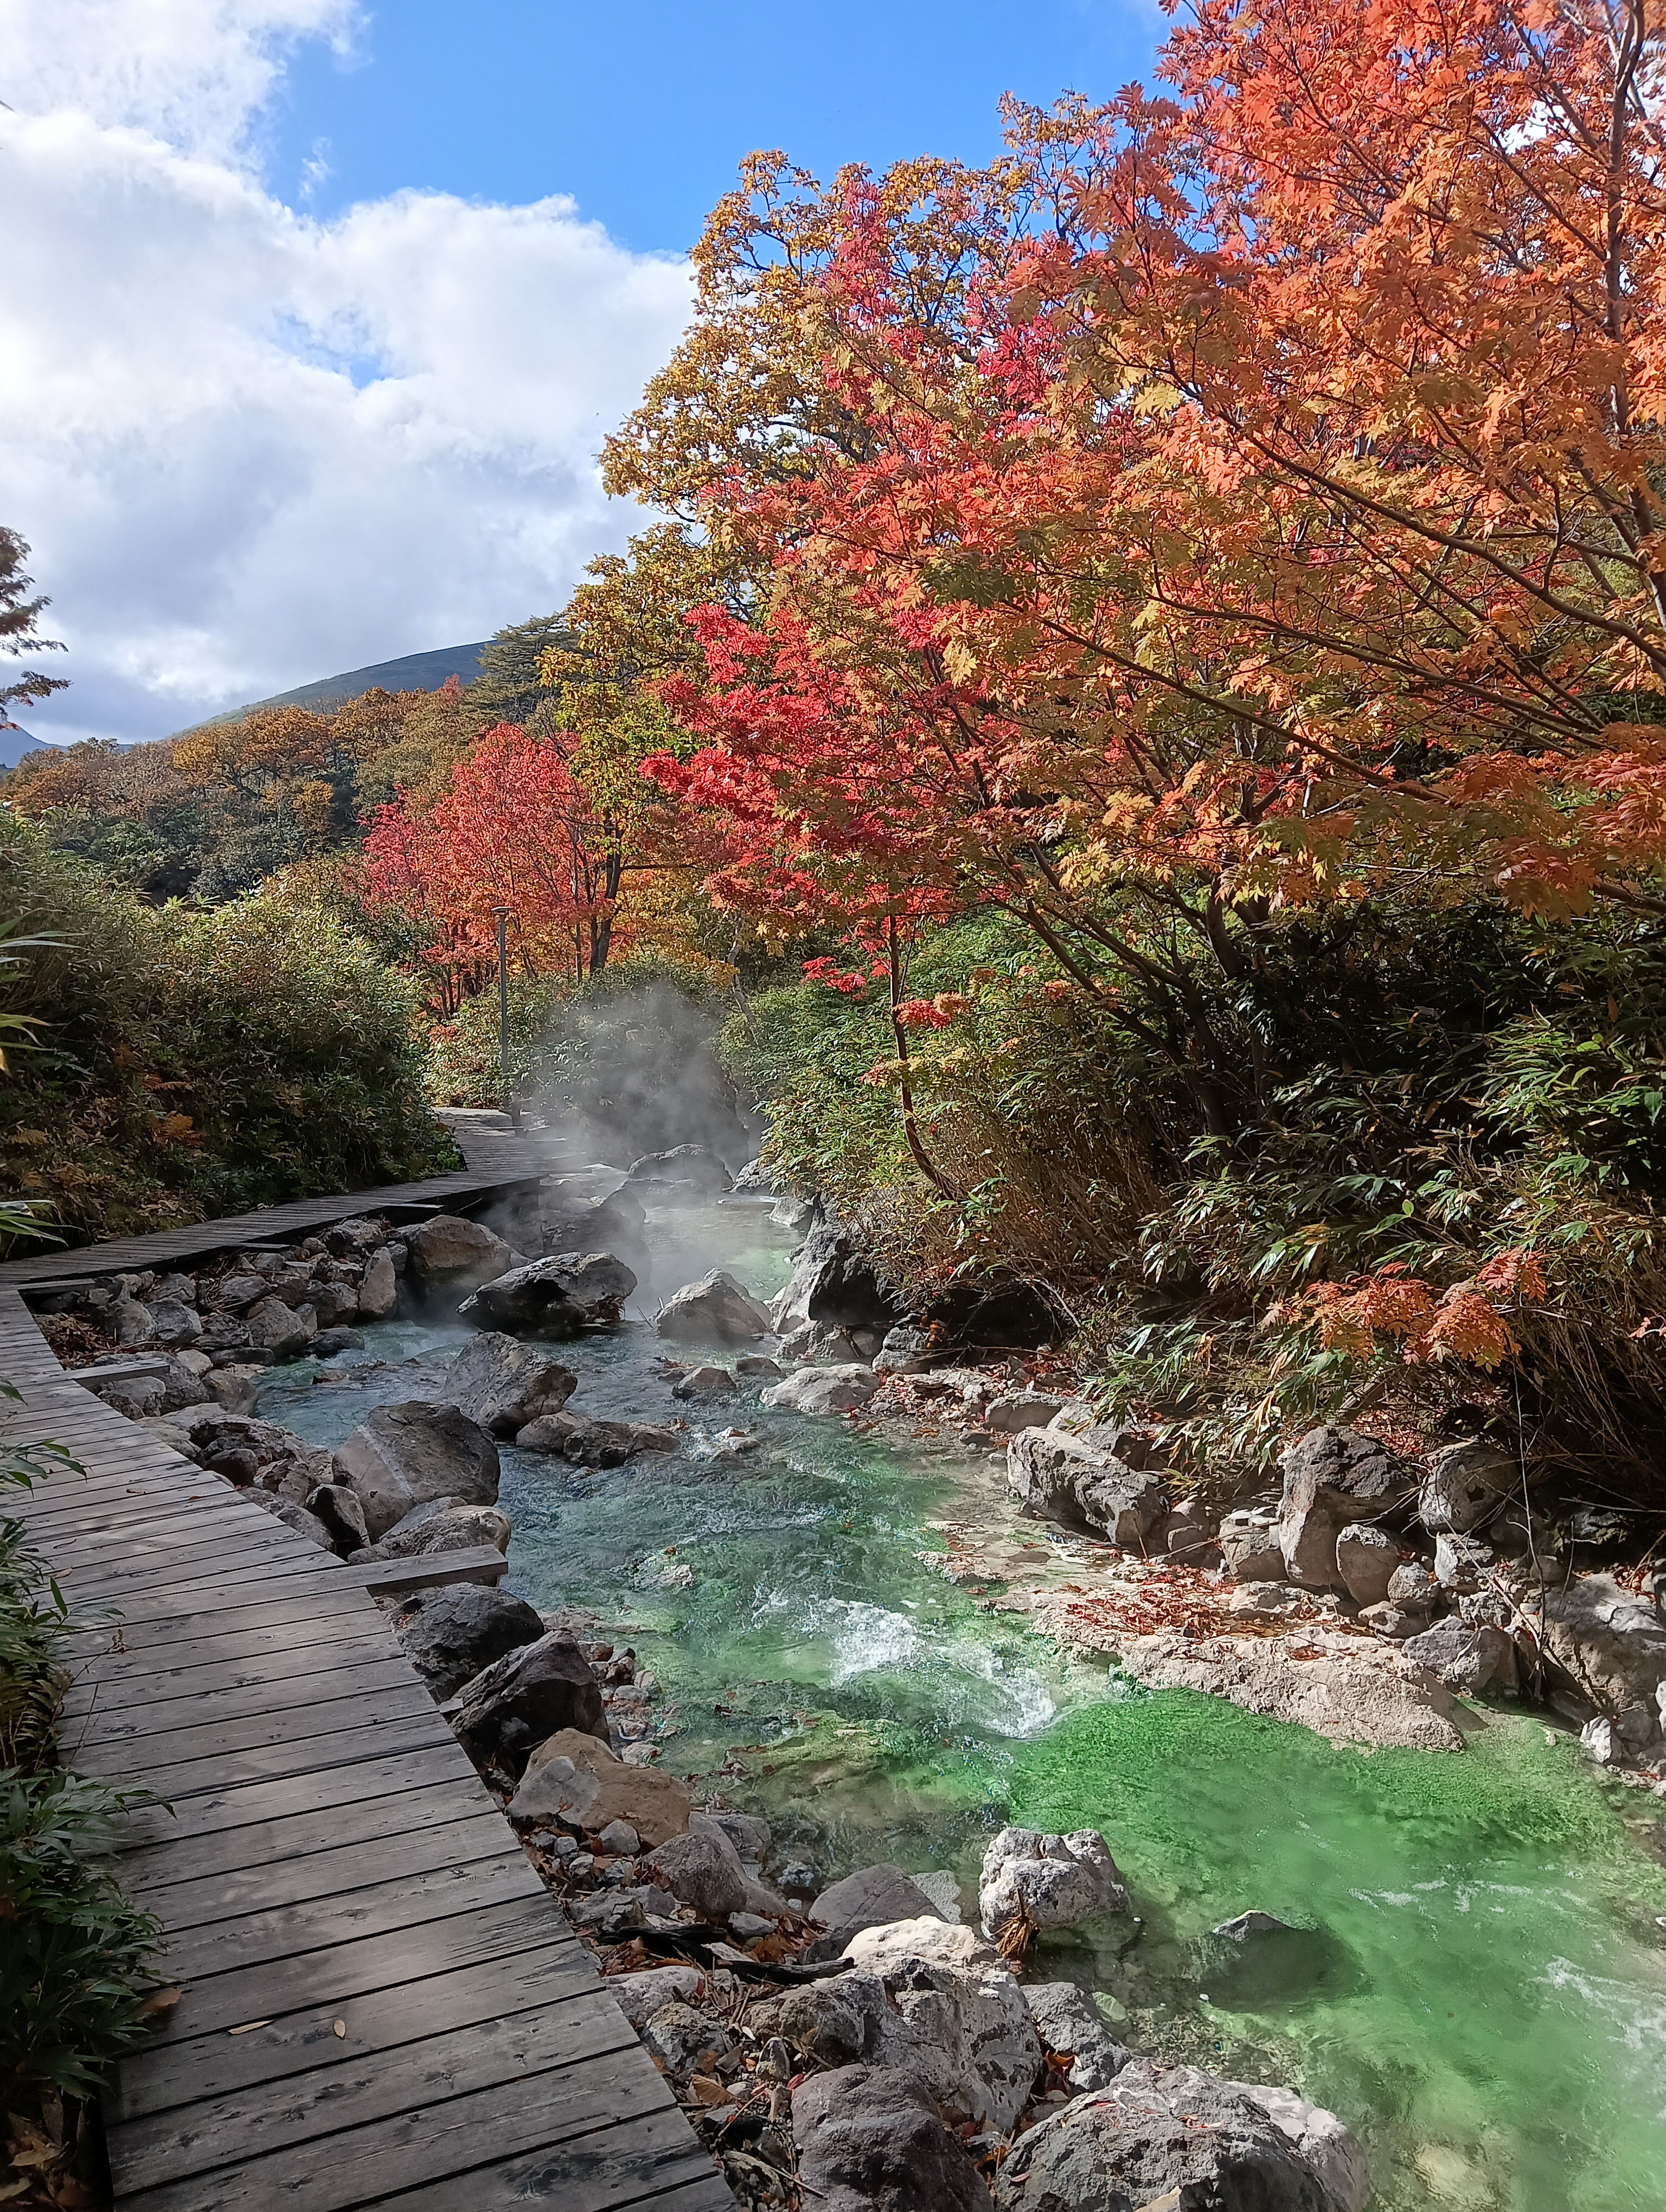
[[238, 1564], [385, 1672], [285, 1761], [246, 1803], [231, 1661], [228, 1896], [152, 1626], [474, 1563], [303, 2043], [365, 2088], [500, 1872], [290, 1725], [334, 1972], [567, 2116], [224, 1853], [137, 1562]]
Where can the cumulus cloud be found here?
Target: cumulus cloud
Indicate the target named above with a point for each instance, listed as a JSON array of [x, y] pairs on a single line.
[[249, 447]]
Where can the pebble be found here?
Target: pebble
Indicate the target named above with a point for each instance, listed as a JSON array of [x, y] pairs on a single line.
[[748, 1926]]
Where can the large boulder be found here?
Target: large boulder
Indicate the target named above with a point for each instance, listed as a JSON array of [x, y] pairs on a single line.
[[1367, 1557], [835, 1282], [554, 1299], [1069, 2025], [717, 1310], [825, 1389], [173, 1324], [449, 1635], [283, 1331], [503, 1385], [1167, 2135], [1068, 1479], [523, 1700], [1467, 1659], [1032, 1881], [442, 1525], [1609, 1642], [594, 1443], [1329, 2148], [405, 1454], [1250, 1546], [1334, 1477], [870, 1897], [450, 1253], [576, 1780], [379, 1289], [870, 2140], [1465, 1485], [686, 1170], [701, 1869], [340, 1511], [1350, 1688]]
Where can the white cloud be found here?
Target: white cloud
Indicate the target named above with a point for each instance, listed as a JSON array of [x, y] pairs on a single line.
[[248, 447]]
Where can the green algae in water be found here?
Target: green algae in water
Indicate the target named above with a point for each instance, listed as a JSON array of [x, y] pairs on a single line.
[[1501, 2039]]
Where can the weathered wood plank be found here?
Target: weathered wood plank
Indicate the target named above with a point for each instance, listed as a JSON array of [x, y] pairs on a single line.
[[498, 1873], [386, 1671], [366, 2087], [224, 1855], [336, 1972], [243, 1803], [564, 2118], [305, 2042], [371, 1738], [242, 1662]]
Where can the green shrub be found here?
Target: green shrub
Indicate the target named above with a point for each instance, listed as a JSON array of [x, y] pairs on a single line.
[[188, 1063]]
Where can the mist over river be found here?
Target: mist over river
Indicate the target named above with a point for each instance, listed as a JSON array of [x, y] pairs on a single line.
[[1484, 2002]]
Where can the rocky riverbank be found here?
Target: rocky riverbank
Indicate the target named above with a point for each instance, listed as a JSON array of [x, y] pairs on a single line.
[[1073, 1527]]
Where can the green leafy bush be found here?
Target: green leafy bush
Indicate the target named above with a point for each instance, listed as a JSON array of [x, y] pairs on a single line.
[[187, 1063]]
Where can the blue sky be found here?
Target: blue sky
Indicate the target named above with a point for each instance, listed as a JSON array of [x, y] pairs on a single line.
[[642, 113], [318, 310]]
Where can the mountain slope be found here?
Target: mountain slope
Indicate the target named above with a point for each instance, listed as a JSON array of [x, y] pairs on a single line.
[[414, 672]]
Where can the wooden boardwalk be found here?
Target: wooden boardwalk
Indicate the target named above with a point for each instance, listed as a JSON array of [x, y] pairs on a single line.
[[498, 1168], [382, 2005]]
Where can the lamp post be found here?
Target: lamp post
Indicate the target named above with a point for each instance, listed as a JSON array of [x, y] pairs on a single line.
[[502, 914]]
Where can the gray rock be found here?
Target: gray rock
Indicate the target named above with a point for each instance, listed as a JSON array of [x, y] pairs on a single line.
[[450, 1635], [749, 1835], [442, 1525], [1412, 1584], [747, 1927], [340, 1511], [355, 1237], [1244, 1926], [334, 1304], [1333, 1477], [1165, 2135], [284, 1330], [378, 1291], [1397, 1622], [522, 1700], [835, 1282], [554, 1299], [1067, 1478], [182, 1386], [1366, 1557], [1464, 1485], [904, 1350], [685, 2041], [1460, 1562], [405, 1454], [291, 1515], [1320, 2137], [1020, 1410], [870, 2140], [701, 1869], [575, 1777], [504, 1385], [1467, 1659], [703, 1386], [456, 1253], [639, 1997], [1250, 1546], [717, 1310], [232, 1293], [692, 1170], [825, 1389], [757, 1367], [870, 1897], [173, 1324], [619, 1838], [1031, 1881], [1608, 1641], [1067, 2021], [129, 1322], [593, 1443]]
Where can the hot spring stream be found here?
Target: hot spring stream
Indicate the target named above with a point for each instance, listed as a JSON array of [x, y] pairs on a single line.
[[1486, 2003]]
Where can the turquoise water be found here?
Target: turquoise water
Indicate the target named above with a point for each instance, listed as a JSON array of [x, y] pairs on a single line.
[[1484, 1996]]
